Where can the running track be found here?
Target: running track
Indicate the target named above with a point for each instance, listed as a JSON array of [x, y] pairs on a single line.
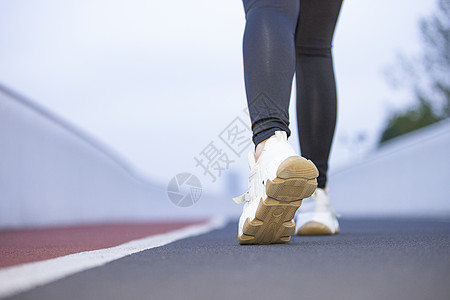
[[370, 259], [30, 245]]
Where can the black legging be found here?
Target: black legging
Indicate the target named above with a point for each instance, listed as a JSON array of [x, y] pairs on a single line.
[[282, 37]]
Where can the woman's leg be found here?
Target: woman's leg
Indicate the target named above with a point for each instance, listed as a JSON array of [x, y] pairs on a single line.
[[269, 63], [316, 87], [280, 179]]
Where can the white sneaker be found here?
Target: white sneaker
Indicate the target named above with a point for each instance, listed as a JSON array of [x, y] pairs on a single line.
[[277, 183], [317, 217]]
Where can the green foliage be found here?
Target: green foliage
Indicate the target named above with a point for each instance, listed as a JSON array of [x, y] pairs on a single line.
[[414, 118], [428, 77]]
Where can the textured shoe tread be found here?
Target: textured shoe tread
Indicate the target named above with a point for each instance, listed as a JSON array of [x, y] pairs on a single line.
[[315, 228], [291, 189], [297, 166], [296, 179], [273, 223]]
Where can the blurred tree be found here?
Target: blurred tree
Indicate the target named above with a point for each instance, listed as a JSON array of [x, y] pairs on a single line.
[[427, 76]]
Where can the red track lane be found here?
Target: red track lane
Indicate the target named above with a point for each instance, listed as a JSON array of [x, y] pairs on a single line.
[[30, 245]]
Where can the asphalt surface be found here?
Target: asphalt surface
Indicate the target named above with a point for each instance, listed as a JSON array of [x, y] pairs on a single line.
[[369, 259]]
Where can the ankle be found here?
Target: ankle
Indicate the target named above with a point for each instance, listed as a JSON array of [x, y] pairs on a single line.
[[259, 149]]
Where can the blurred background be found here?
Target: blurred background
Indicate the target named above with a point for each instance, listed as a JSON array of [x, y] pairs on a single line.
[[103, 102]]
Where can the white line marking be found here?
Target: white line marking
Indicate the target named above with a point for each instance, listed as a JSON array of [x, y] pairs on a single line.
[[16, 279]]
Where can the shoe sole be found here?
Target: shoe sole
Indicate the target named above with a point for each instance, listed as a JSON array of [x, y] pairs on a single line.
[[315, 228], [273, 222]]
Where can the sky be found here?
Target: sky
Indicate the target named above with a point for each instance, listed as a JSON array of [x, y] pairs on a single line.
[[158, 81]]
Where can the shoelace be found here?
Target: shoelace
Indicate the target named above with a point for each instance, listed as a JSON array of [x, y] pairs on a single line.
[[242, 198], [252, 189]]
